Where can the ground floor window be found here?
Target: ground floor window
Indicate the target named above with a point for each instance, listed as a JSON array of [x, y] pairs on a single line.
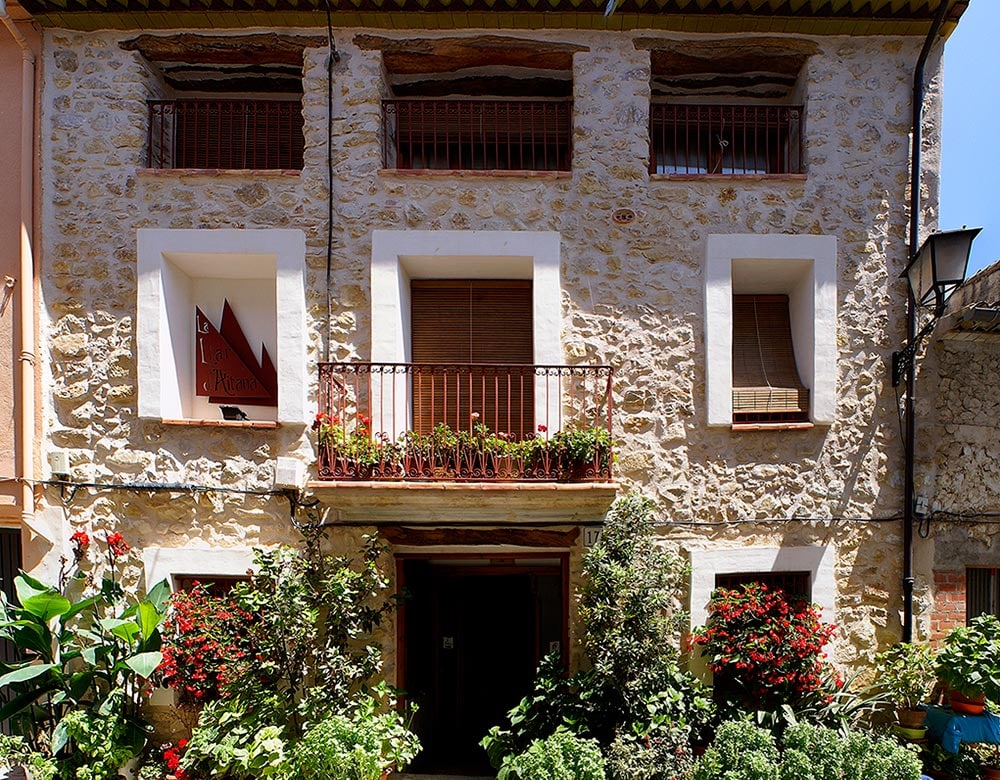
[[794, 584], [982, 592]]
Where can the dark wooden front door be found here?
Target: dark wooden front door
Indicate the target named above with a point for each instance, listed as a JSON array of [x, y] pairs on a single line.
[[473, 634]]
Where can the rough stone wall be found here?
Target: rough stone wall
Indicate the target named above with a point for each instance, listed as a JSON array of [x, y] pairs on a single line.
[[958, 454], [632, 295]]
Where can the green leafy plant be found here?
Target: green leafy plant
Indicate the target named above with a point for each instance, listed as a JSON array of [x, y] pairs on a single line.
[[560, 756], [743, 751], [359, 745], [635, 697], [83, 658], [970, 659], [14, 751], [308, 658], [906, 672]]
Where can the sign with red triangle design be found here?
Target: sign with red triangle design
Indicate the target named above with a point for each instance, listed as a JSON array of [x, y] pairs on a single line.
[[226, 368]]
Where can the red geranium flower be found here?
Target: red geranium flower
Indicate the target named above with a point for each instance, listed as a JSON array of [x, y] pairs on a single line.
[[81, 541], [117, 544]]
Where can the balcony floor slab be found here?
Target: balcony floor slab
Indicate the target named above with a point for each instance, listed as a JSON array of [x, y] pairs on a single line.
[[465, 502]]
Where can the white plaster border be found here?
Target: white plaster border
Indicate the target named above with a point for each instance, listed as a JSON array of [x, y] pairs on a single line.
[[401, 255], [814, 316], [819, 561], [167, 563], [231, 254]]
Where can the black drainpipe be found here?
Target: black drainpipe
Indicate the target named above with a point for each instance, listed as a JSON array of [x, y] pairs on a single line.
[[909, 454]]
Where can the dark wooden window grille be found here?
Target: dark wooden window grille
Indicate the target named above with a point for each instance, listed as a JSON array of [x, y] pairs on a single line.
[[766, 384], [476, 322], [478, 135], [794, 584], [225, 134], [728, 140], [982, 592], [215, 584]]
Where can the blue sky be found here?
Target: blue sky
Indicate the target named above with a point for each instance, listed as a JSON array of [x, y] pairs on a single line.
[[970, 154]]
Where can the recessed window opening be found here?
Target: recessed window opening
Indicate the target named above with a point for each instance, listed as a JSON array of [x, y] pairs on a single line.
[[727, 107], [794, 584], [982, 592], [766, 383], [484, 103], [227, 102]]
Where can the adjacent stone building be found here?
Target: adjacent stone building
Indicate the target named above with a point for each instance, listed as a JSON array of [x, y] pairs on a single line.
[[680, 225]]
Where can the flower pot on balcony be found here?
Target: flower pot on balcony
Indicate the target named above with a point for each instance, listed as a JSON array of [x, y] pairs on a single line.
[[990, 773], [910, 735]]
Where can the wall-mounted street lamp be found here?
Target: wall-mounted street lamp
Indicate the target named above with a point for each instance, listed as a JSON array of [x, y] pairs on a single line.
[[934, 273]]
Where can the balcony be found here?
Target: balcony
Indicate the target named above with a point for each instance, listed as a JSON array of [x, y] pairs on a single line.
[[731, 140], [478, 135], [411, 422], [225, 134]]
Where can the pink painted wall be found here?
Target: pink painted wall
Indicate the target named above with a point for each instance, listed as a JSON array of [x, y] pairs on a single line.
[[10, 224]]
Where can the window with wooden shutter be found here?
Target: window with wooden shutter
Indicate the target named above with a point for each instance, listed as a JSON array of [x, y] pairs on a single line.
[[766, 384], [475, 339]]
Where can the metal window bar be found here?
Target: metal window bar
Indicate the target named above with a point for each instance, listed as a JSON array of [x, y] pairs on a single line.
[[381, 421], [224, 133], [734, 140], [458, 135]]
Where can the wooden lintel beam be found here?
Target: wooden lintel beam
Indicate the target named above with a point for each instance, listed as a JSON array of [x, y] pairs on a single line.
[[403, 536]]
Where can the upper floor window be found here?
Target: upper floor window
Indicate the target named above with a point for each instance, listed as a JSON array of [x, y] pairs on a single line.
[[982, 592], [225, 134], [727, 107], [225, 102], [482, 103], [735, 140]]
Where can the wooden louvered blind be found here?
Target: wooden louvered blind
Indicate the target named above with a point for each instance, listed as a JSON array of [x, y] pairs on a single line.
[[766, 384], [457, 322]]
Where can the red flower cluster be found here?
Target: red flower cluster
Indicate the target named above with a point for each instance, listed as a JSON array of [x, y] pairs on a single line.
[[172, 759], [80, 541], [117, 545], [760, 642], [203, 636]]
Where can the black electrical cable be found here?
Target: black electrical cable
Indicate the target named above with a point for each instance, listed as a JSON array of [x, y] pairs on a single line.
[[332, 57]]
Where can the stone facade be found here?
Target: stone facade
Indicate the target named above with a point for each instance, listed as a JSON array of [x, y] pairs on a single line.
[[958, 474], [632, 297]]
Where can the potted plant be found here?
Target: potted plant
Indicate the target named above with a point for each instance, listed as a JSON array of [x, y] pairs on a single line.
[[906, 674], [583, 453], [970, 664]]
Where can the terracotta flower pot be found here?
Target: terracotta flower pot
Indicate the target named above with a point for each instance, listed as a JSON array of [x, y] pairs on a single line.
[[965, 705], [991, 773], [911, 719]]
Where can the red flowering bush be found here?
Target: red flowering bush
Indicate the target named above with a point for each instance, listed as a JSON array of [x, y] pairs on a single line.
[[203, 635], [764, 647]]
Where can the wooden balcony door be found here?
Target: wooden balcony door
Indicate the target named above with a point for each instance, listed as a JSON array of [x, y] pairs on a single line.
[[467, 329]]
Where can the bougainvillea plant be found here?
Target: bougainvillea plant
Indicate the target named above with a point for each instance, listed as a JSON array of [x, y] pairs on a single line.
[[203, 635], [764, 647]]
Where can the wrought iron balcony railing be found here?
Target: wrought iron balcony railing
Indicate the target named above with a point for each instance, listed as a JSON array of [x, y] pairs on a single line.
[[225, 134], [473, 422], [478, 135], [729, 140]]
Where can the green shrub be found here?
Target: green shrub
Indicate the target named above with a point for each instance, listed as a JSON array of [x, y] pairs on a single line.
[[561, 756], [635, 700], [742, 751]]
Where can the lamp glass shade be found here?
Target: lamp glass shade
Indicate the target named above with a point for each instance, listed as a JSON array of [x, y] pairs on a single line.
[[940, 266]]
